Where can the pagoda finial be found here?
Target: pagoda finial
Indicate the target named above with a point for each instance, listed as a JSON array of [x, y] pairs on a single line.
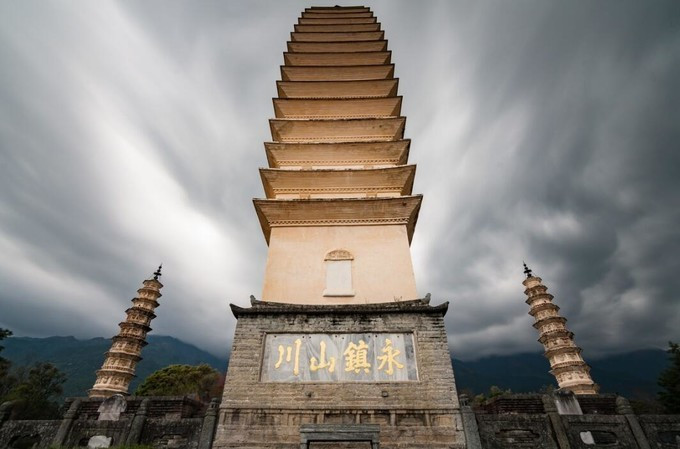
[[157, 273], [527, 270]]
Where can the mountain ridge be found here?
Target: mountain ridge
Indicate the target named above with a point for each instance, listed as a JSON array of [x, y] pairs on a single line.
[[632, 374], [80, 359]]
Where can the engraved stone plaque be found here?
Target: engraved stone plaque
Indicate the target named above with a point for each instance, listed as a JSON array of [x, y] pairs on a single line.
[[374, 357]]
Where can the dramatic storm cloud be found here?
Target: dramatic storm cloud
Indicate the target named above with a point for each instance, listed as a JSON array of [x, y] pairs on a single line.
[[131, 134]]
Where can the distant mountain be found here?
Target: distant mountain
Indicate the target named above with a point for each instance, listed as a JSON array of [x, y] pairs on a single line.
[[79, 359], [631, 374]]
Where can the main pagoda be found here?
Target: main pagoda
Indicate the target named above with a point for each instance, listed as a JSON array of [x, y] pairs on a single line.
[[340, 351], [339, 214]]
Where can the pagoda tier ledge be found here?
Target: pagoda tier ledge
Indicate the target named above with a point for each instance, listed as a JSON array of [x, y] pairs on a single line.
[[398, 180], [337, 28], [543, 306], [337, 9], [140, 323], [123, 354], [152, 281], [337, 47], [539, 296], [338, 130], [565, 367], [337, 89], [536, 290], [137, 308], [328, 108], [338, 15], [128, 372], [557, 333], [134, 325], [308, 155], [338, 212], [149, 289], [137, 339], [151, 301], [337, 59], [562, 350], [340, 73], [338, 37], [271, 307], [335, 20], [549, 319]]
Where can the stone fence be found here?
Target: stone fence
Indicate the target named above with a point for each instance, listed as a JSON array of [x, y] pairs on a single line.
[[161, 422], [508, 421], [533, 421]]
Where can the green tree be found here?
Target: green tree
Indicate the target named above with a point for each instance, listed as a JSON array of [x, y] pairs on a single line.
[[35, 394], [6, 380], [493, 392], [669, 380], [180, 380]]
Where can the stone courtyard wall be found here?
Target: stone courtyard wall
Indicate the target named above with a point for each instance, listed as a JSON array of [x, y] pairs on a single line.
[[531, 421], [161, 422]]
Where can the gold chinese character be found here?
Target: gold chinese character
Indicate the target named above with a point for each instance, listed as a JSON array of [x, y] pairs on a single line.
[[356, 357], [322, 362], [288, 350], [390, 358]]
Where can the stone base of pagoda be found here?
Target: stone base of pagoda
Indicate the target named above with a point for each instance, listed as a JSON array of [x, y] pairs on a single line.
[[276, 398]]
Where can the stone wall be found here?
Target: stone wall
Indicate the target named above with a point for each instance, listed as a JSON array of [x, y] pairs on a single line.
[[162, 422], [532, 421], [17, 433], [420, 414]]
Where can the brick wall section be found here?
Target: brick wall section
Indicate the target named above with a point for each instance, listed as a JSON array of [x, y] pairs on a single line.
[[422, 414]]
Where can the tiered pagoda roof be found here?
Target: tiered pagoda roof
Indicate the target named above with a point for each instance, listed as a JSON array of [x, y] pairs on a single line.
[[338, 154], [566, 362], [121, 360]]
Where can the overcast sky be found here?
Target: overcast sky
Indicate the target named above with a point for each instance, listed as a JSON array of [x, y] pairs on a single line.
[[549, 132]]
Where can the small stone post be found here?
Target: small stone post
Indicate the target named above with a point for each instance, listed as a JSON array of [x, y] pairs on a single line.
[[138, 423], [208, 426], [556, 421], [623, 408], [66, 423]]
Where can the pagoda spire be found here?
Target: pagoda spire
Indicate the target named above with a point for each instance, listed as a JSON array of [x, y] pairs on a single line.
[[566, 362], [121, 360]]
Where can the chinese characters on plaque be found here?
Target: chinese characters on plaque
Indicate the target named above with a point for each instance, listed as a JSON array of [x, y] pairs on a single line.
[[377, 357]]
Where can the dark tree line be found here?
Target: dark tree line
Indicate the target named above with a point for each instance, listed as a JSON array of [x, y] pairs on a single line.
[[32, 390], [669, 380]]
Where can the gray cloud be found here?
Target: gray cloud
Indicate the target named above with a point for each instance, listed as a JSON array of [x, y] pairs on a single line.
[[131, 133]]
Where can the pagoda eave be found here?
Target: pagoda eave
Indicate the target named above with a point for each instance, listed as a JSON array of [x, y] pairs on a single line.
[[336, 20], [345, 73], [328, 182], [337, 47], [329, 154], [361, 27], [338, 9], [338, 89], [338, 130], [337, 15], [338, 212], [338, 36], [332, 108]]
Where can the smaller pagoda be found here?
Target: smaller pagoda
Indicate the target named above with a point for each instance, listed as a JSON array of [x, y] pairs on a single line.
[[566, 363], [119, 366]]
